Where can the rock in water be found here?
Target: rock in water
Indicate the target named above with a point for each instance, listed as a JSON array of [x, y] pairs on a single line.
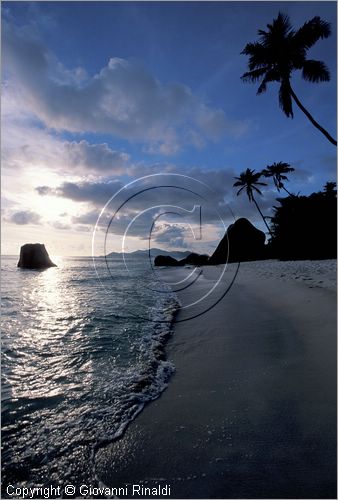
[[195, 259], [243, 241], [165, 260], [34, 256]]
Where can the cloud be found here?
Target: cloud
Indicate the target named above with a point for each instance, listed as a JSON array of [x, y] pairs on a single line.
[[122, 99], [60, 225], [25, 144], [7, 203], [89, 218], [24, 217], [135, 220], [172, 235], [329, 163], [219, 206], [95, 157], [97, 193]]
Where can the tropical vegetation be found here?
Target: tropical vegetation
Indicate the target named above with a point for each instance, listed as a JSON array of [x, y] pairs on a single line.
[[279, 52], [305, 227], [249, 180], [278, 172]]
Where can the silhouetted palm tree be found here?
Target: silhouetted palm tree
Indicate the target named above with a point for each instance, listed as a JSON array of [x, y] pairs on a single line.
[[282, 50], [277, 171], [330, 189], [249, 180]]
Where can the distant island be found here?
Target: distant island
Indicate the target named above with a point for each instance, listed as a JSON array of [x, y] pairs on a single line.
[[154, 252]]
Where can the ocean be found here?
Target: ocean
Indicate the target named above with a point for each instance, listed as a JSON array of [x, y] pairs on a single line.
[[82, 353]]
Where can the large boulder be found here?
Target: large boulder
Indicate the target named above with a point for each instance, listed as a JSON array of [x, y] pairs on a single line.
[[34, 256], [242, 242], [165, 260], [195, 259]]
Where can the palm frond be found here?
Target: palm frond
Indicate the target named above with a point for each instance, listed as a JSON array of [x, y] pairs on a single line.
[[254, 75], [282, 167], [266, 172], [251, 48], [256, 177], [272, 75], [311, 32], [262, 88], [315, 71], [256, 189], [258, 56], [249, 192], [277, 184]]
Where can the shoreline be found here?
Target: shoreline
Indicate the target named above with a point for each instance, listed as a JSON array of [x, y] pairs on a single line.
[[251, 410]]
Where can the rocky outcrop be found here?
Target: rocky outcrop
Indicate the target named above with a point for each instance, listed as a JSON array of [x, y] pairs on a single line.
[[195, 259], [165, 260], [242, 242], [34, 256]]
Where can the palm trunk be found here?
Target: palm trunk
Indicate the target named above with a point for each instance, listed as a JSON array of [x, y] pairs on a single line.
[[312, 120], [259, 210]]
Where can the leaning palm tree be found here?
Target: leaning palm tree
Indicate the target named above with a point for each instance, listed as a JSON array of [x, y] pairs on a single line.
[[282, 50], [249, 180], [277, 171]]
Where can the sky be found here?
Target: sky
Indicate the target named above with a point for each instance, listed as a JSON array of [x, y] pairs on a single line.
[[97, 95]]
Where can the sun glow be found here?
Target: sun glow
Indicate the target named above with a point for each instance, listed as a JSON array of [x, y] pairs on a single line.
[[58, 260]]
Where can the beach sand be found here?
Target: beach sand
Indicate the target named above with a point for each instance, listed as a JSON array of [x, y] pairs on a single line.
[[251, 409]]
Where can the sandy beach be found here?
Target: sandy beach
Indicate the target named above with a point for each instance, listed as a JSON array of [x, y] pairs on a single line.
[[251, 409]]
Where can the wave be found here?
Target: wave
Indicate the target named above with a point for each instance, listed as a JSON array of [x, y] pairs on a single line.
[[77, 373]]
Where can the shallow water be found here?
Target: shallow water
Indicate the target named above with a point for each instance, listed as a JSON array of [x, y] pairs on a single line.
[[80, 358]]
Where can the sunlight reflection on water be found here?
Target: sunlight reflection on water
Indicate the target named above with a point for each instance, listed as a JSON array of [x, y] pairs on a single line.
[[70, 368]]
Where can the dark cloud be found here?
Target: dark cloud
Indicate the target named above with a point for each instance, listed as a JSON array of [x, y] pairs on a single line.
[[24, 217], [89, 218], [44, 190], [215, 184], [97, 193], [164, 193]]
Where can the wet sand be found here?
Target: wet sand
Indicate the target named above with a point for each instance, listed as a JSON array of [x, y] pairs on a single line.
[[251, 409]]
